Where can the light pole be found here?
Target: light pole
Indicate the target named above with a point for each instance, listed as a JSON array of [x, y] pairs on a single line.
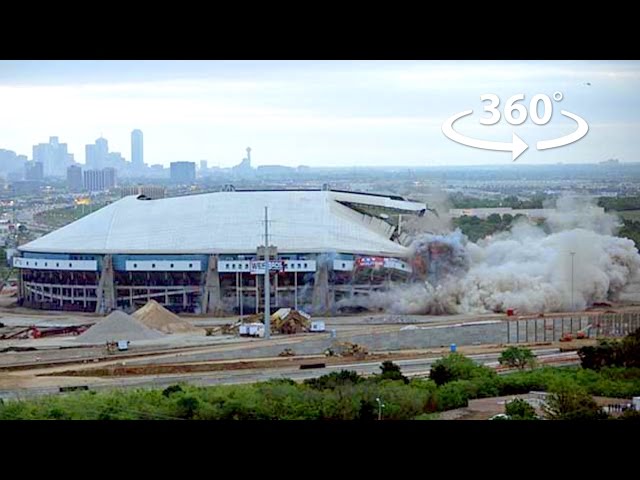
[[267, 290], [380, 407], [572, 257]]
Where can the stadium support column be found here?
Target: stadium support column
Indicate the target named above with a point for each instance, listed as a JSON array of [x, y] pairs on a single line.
[[21, 289], [322, 303], [106, 293], [211, 293]]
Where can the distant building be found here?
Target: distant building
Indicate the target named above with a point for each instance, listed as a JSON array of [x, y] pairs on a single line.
[[203, 165], [611, 161], [96, 155], [150, 191], [137, 152], [54, 157], [11, 163], [244, 169], [183, 172], [74, 178], [34, 171], [25, 187], [99, 180]]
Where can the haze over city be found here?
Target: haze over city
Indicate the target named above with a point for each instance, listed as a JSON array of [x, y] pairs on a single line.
[[314, 113]]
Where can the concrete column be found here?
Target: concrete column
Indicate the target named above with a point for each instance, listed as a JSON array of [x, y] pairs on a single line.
[[322, 303], [21, 292], [106, 292], [211, 302]]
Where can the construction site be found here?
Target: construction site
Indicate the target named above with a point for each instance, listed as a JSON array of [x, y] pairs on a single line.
[[243, 286]]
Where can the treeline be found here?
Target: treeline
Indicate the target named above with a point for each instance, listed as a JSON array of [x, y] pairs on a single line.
[[343, 395], [476, 228], [619, 203], [460, 200]]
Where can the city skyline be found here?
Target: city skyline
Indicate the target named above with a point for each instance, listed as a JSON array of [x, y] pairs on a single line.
[[314, 113]]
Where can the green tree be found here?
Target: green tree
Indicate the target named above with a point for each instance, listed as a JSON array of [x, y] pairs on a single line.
[[391, 371], [570, 401], [517, 357]]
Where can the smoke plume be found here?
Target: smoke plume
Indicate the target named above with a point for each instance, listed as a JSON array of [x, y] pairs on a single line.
[[528, 268]]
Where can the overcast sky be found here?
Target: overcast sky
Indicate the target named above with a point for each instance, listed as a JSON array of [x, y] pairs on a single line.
[[316, 113]]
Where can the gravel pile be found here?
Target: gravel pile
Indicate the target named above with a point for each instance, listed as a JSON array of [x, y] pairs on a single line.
[[118, 326], [155, 316]]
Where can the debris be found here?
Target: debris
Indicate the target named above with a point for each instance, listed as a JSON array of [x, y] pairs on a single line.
[[288, 321]]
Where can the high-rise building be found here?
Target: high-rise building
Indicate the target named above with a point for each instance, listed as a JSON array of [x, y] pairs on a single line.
[[137, 152], [96, 155], [183, 172], [203, 165], [33, 171], [74, 178], [54, 157], [10, 163], [100, 180]]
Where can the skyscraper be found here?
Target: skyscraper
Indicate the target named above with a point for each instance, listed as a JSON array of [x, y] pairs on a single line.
[[54, 157], [137, 154], [74, 178]]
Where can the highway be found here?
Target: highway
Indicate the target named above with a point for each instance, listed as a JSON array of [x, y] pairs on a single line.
[[411, 368]]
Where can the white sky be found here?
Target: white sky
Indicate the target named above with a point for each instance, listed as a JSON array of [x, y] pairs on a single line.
[[316, 113]]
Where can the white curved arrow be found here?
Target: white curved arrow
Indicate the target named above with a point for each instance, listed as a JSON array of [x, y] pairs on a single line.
[[580, 132], [516, 147]]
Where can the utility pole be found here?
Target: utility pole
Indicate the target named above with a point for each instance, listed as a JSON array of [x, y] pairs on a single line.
[[572, 257], [267, 290]]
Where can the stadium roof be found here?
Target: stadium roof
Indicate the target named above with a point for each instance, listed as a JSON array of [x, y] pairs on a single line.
[[232, 222]]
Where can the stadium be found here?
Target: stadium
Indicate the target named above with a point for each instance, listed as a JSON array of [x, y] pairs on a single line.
[[201, 253]]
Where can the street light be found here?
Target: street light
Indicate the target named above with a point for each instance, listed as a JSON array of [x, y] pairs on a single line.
[[572, 257], [380, 407]]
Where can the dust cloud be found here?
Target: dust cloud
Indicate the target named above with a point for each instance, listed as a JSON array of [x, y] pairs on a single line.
[[528, 268]]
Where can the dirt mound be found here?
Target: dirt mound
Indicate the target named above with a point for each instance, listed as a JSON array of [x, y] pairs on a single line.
[[118, 326], [155, 316]]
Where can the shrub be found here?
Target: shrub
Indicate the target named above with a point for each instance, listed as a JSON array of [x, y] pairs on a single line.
[[453, 395], [519, 409], [333, 380], [457, 367], [171, 389], [517, 357]]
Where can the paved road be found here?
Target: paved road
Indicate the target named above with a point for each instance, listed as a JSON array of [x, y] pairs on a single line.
[[410, 368]]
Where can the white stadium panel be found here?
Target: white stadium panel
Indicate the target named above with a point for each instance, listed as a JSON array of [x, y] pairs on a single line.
[[163, 265], [228, 266], [55, 264], [397, 264], [343, 265]]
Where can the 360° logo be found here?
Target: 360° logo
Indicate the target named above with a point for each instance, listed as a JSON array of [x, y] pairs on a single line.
[[517, 146]]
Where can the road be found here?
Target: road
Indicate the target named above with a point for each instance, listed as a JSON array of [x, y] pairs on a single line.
[[418, 367]]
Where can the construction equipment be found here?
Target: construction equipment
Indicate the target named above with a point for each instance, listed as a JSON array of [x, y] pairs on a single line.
[[348, 349]]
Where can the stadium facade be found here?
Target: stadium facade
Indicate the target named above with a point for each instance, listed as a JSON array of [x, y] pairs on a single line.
[[200, 253]]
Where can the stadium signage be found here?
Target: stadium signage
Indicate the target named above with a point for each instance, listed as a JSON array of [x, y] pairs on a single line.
[[258, 266]]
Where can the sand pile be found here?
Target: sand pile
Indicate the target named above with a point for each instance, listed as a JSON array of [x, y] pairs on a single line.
[[155, 316], [118, 326]]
